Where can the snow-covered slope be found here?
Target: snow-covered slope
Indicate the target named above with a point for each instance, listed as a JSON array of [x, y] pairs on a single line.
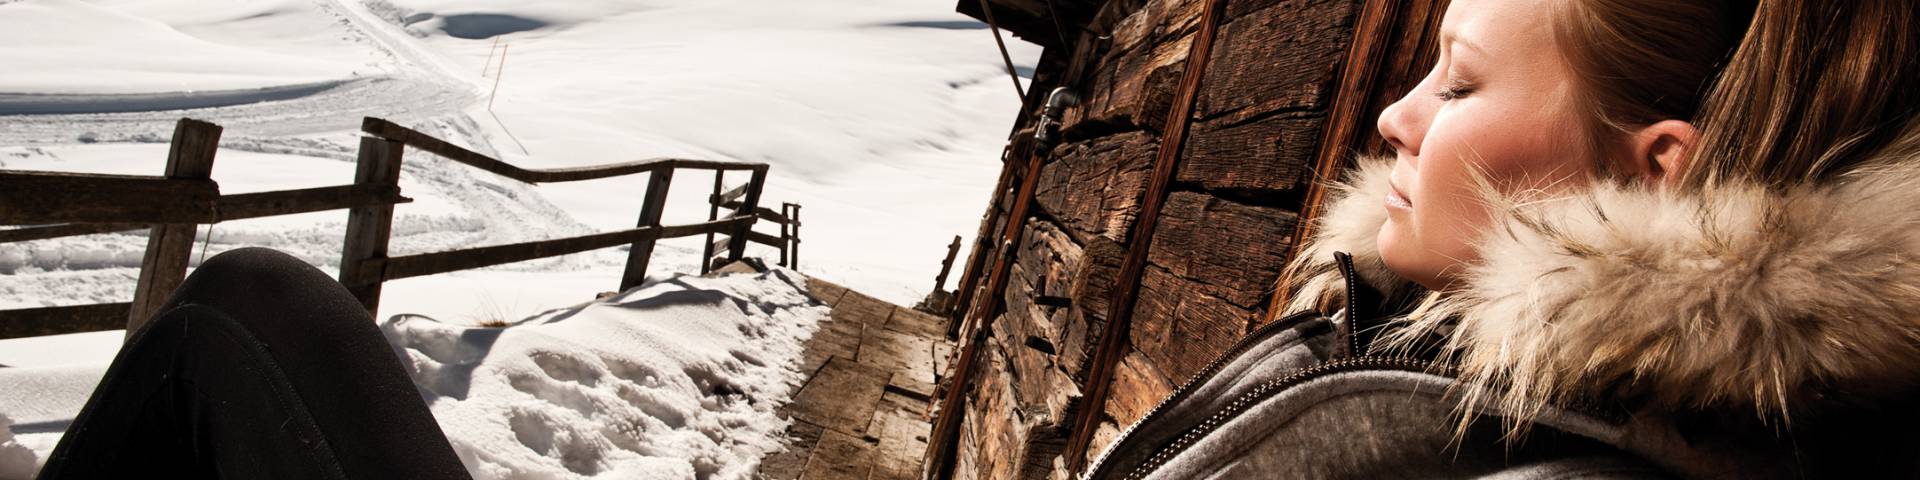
[[884, 120], [675, 380]]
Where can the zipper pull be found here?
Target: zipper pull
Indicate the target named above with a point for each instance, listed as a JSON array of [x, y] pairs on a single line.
[[1360, 326]]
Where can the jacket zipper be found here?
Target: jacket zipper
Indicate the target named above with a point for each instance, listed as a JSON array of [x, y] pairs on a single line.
[[1206, 373], [1262, 391]]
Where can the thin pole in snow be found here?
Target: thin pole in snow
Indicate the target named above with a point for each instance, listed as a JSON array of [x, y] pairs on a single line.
[[496, 76], [489, 64]]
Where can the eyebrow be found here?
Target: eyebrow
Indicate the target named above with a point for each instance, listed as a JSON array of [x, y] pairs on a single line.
[[1462, 41]]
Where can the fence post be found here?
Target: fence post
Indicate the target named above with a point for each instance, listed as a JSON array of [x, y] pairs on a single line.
[[170, 245], [794, 243], [738, 246], [940, 282], [713, 213], [650, 211], [368, 228], [786, 233]]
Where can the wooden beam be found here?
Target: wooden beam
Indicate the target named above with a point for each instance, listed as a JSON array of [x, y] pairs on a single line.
[[720, 244], [763, 212], [169, 245], [713, 213], [370, 227], [40, 198], [409, 266], [388, 130], [786, 233], [34, 322], [1389, 54], [66, 230], [641, 251], [730, 196], [748, 206], [289, 202], [1114, 341], [942, 445], [764, 239], [793, 241], [946, 266]]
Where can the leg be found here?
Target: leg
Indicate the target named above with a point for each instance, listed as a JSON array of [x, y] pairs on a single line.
[[260, 366]]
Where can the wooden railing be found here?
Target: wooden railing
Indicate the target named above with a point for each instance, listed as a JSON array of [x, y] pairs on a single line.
[[56, 204], [788, 218]]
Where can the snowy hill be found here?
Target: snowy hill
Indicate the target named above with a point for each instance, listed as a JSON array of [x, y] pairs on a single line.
[[883, 120]]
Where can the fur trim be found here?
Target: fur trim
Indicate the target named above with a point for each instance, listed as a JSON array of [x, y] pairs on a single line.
[[1350, 224], [1775, 301]]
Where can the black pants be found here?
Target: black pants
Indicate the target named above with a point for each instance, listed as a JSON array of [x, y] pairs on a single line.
[[260, 366]]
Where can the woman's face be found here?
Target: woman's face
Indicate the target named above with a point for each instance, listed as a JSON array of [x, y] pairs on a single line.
[[1497, 101]]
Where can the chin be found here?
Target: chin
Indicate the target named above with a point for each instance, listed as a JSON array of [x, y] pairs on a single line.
[[1403, 254]]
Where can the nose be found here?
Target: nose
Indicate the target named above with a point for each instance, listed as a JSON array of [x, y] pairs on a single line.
[[1404, 123]]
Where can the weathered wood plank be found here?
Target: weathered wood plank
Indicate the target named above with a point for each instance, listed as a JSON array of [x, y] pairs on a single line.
[[40, 198], [34, 322], [786, 232], [289, 202], [408, 266], [1391, 51], [1269, 156], [946, 266], [765, 239], [66, 230], [763, 212], [651, 208], [1223, 248], [713, 213], [389, 130], [729, 196], [222, 207], [1126, 289], [793, 239], [841, 396], [169, 245], [1281, 57], [369, 227], [749, 205]]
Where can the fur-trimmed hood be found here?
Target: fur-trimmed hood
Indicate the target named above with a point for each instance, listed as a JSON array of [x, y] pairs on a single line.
[[1779, 303]]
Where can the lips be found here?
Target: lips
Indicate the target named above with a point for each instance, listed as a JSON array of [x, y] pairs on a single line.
[[1395, 199]]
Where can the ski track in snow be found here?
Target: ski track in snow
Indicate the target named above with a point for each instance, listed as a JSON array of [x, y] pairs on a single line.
[[337, 109], [420, 93]]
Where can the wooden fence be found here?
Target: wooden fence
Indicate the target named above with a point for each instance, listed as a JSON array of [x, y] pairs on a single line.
[[788, 218], [57, 204]]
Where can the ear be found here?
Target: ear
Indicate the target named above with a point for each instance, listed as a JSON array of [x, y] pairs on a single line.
[[1660, 150]]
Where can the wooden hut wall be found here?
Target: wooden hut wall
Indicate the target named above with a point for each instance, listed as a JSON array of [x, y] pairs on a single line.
[[1223, 232]]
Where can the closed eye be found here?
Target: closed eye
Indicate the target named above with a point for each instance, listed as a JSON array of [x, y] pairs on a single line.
[[1453, 90]]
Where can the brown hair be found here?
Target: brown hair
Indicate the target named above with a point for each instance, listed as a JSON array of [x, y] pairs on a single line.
[[1782, 92]]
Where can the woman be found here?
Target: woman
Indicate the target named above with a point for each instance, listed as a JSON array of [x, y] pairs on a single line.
[[1618, 238]]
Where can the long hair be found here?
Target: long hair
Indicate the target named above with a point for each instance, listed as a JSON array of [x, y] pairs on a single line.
[[1781, 92]]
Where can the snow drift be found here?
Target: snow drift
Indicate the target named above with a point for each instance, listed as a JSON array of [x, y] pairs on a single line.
[[678, 379]]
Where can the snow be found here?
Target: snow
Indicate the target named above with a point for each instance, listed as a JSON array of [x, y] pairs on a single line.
[[147, 55], [884, 120], [676, 379], [16, 460]]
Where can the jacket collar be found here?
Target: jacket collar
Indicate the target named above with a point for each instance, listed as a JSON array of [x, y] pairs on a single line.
[[1740, 299]]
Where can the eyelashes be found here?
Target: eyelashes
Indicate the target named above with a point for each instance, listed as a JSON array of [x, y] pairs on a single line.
[[1453, 90]]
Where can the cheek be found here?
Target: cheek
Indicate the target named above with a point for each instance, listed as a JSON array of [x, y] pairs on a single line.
[[1448, 216]]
